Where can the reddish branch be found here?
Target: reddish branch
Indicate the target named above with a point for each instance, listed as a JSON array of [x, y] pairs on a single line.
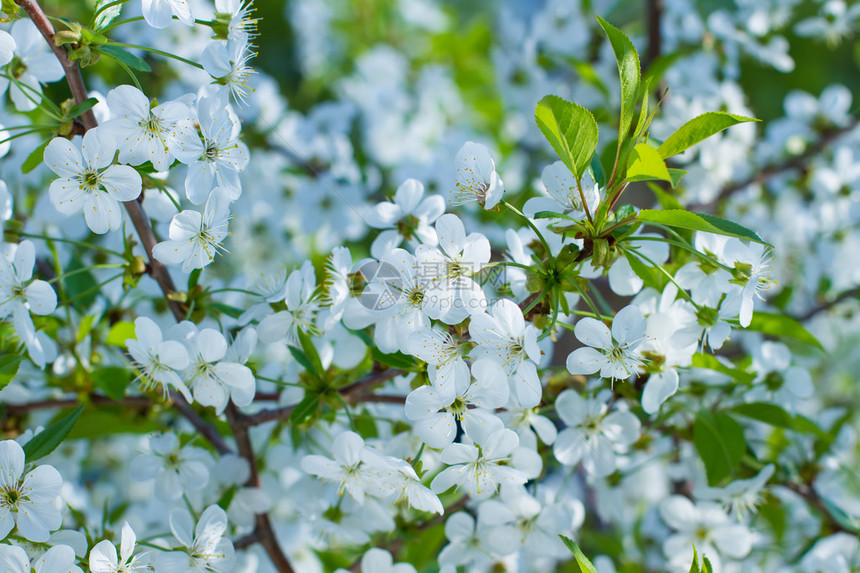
[[264, 532], [79, 91], [159, 272]]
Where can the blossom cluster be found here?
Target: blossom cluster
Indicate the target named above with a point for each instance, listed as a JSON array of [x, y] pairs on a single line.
[[380, 305]]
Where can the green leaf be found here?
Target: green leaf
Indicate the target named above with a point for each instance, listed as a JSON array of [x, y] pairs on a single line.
[[585, 564], [302, 359], [646, 164], [85, 328], [554, 215], [193, 278], [311, 352], [112, 380], [35, 158], [698, 129], [719, 439], [395, 360], [124, 56], [628, 70], [48, 439], [666, 200], [711, 363], [119, 333], [676, 175], [230, 311], [9, 364], [107, 420], [651, 276], [570, 129], [765, 412], [781, 325], [597, 171], [694, 567], [106, 15], [304, 409], [82, 107], [697, 222]]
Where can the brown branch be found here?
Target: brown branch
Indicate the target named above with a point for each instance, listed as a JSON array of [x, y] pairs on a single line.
[[653, 14], [849, 294], [354, 393], [131, 402], [765, 174], [159, 272], [263, 531], [208, 431], [811, 497], [79, 91]]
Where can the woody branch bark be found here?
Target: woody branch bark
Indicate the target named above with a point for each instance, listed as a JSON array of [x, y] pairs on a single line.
[[265, 533], [79, 91]]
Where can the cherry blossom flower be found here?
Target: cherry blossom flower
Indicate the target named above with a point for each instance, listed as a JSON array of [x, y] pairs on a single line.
[[348, 468], [57, 559], [159, 13], [752, 263], [741, 495], [104, 559], [205, 549], [594, 434], [20, 296], [213, 379], [409, 216], [89, 181], [613, 354], [380, 561], [466, 543], [400, 298], [177, 469], [31, 65], [27, 502], [439, 350], [704, 525], [215, 156], [434, 408], [158, 361], [227, 63], [477, 179], [564, 194], [455, 293], [196, 237], [503, 334], [302, 302], [143, 131], [480, 472]]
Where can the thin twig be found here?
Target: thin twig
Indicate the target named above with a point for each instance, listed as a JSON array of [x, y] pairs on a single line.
[[208, 431], [354, 393], [849, 294], [766, 173]]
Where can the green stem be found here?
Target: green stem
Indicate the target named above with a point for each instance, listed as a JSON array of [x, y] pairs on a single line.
[[533, 227], [113, 25], [635, 251], [71, 242], [84, 270], [156, 51], [92, 290]]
